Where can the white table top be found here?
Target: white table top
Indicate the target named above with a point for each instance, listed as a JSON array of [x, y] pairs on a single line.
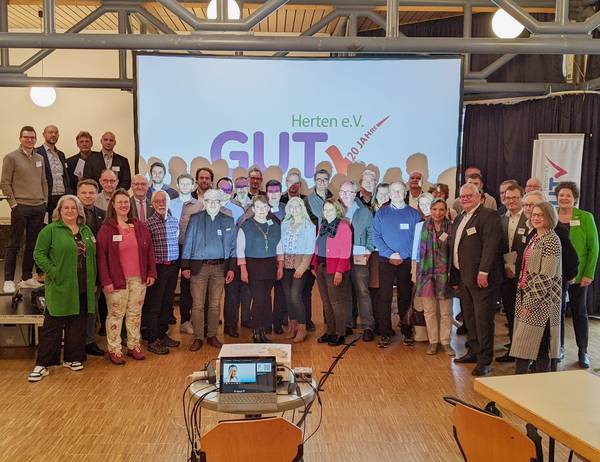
[[564, 405], [285, 402]]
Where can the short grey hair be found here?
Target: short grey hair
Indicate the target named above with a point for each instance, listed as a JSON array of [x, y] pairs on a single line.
[[368, 173], [472, 187], [351, 183], [539, 194], [80, 211], [550, 216], [213, 195], [161, 191]]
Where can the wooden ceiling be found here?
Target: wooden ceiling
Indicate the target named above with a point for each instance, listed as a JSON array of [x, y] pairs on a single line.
[[293, 19]]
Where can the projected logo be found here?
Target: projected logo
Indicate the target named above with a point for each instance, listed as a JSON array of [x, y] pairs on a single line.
[[311, 144]]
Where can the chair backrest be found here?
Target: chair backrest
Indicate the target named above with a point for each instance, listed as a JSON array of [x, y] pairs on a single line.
[[486, 438], [268, 440]]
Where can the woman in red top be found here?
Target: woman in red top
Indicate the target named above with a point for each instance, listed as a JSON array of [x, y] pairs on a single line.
[[332, 266], [126, 267]]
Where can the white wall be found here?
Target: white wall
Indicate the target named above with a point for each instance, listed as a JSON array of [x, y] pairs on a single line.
[[93, 110]]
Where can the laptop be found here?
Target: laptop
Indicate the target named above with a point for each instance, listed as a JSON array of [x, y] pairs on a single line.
[[248, 384]]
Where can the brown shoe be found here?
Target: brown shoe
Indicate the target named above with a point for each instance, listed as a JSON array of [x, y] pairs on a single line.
[[214, 341], [300, 334], [196, 344]]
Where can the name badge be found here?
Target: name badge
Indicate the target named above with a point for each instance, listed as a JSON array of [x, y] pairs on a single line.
[[38, 163], [521, 231], [93, 239], [524, 240], [269, 222], [117, 238], [66, 166], [116, 168], [575, 223], [274, 210], [443, 237], [471, 231], [404, 226], [219, 232], [227, 229]]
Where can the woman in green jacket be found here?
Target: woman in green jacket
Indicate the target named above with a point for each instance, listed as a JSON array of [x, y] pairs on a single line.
[[66, 252], [584, 236]]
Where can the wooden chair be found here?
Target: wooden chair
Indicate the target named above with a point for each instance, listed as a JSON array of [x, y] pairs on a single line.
[[483, 437], [267, 440]]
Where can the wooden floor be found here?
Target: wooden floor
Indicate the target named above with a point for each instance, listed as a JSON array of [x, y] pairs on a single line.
[[380, 405]]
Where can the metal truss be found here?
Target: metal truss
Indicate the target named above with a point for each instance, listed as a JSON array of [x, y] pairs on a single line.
[[558, 37]]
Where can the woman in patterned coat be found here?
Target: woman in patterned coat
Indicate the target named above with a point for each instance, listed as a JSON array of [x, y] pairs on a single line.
[[537, 314]]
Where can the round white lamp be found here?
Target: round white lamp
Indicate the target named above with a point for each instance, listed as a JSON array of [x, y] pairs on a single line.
[[42, 96], [233, 10], [505, 26]]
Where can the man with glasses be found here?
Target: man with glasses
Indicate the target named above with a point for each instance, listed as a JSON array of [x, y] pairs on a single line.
[[316, 199], [141, 205], [368, 181], [293, 183], [256, 178], [26, 189], [361, 220], [514, 234], [502, 190], [108, 183], [477, 268]]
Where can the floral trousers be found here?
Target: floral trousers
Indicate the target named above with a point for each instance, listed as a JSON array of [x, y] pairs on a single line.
[[125, 303]]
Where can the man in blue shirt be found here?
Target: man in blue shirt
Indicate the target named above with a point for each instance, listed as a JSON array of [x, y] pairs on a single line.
[[208, 256], [393, 234], [185, 184], [228, 206]]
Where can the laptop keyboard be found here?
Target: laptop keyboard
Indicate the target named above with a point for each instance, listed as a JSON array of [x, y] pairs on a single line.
[[247, 402]]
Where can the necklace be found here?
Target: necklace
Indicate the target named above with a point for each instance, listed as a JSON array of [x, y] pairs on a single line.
[[265, 235]]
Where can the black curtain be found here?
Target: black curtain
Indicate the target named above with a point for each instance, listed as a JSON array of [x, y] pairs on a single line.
[[498, 138]]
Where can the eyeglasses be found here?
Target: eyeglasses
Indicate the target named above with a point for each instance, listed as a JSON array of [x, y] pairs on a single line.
[[322, 180], [466, 196], [514, 198]]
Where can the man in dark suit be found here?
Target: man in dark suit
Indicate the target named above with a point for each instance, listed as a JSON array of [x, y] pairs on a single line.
[[94, 217], [477, 268], [514, 230], [76, 163], [140, 203], [107, 159], [56, 168]]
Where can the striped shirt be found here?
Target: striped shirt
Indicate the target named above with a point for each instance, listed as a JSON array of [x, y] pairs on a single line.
[[165, 237]]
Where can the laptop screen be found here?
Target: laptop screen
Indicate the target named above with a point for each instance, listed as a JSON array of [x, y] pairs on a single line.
[[248, 375]]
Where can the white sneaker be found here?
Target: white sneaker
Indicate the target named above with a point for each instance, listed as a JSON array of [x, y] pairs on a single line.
[[186, 328], [9, 287], [73, 365], [30, 283], [38, 373]]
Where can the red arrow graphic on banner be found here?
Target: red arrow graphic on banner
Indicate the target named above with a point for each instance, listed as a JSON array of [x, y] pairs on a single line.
[[559, 170]]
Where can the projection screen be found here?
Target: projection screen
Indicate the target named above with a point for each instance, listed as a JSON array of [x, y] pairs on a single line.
[[231, 113]]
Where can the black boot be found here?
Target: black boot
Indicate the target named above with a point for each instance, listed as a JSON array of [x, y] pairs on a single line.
[[256, 336], [264, 338]]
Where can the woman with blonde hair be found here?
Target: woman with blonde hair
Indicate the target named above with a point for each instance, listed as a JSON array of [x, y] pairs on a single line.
[[66, 252], [536, 333], [298, 242]]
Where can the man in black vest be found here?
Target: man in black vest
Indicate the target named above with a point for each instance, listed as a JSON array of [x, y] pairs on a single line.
[[56, 168]]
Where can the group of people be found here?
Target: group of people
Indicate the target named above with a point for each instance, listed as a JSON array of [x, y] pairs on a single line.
[[265, 249]]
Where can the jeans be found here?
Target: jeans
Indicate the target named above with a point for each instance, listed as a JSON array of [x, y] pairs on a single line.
[[335, 300], [51, 335], [27, 219], [307, 295], [211, 279], [159, 301], [360, 282], [293, 290], [388, 276]]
